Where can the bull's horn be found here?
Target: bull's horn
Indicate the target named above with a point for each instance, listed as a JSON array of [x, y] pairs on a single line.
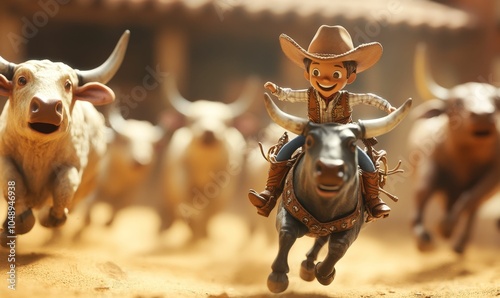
[[178, 102], [289, 122], [108, 69], [242, 104], [376, 127], [7, 68], [426, 85]]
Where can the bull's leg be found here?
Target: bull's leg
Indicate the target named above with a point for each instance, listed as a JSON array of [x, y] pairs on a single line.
[[307, 266], [20, 219], [22, 224], [423, 237], [424, 189], [65, 185], [463, 239], [289, 230], [450, 220], [337, 247], [425, 241], [469, 200], [198, 229]]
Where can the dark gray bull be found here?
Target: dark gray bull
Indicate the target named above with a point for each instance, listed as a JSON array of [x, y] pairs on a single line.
[[455, 145], [326, 183], [51, 136]]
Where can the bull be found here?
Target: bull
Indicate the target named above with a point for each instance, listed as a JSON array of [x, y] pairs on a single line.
[[322, 196], [52, 136], [130, 161], [203, 159], [454, 145]]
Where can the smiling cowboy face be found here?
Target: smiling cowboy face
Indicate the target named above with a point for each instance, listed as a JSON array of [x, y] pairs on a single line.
[[328, 78]]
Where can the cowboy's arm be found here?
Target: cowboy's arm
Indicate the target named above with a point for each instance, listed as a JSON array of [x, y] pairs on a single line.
[[372, 100], [287, 94]]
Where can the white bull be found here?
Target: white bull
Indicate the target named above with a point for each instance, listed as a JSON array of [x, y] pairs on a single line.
[[131, 158], [204, 158], [51, 137]]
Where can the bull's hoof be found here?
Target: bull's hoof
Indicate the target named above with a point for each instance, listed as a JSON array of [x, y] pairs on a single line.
[[4, 239], [277, 282], [425, 242], [459, 248], [49, 220], [23, 223], [445, 228], [460, 245], [307, 271], [324, 280]]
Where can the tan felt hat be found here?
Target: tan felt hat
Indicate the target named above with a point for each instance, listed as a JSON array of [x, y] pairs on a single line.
[[332, 43]]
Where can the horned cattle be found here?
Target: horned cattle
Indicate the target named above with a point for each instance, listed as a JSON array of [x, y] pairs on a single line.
[[322, 196], [255, 165], [203, 159], [130, 162], [454, 145], [51, 137]]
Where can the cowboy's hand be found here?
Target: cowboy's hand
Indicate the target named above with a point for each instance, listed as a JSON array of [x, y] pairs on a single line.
[[270, 86], [392, 109]]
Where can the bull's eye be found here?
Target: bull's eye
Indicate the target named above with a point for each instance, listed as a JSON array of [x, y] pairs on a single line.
[[67, 85], [21, 81], [309, 141]]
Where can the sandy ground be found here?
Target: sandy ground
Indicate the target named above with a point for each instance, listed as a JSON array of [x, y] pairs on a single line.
[[130, 259]]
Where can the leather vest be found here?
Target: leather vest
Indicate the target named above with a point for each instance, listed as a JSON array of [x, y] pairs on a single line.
[[341, 112]]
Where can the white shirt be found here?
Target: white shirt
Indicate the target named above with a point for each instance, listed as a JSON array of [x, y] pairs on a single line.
[[326, 115]]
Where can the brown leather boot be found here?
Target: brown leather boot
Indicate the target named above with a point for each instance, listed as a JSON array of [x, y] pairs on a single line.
[[376, 206], [266, 200]]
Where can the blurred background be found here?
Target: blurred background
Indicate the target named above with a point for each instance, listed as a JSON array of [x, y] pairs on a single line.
[[212, 48]]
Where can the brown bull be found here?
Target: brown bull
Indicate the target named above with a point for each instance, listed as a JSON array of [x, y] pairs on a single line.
[[51, 137], [455, 145]]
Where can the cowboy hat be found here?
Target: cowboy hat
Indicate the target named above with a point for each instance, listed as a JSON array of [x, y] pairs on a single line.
[[331, 44]]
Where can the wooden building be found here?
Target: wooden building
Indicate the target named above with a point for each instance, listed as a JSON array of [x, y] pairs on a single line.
[[212, 46]]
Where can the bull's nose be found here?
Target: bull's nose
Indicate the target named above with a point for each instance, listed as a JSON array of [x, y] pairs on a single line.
[[334, 168], [46, 111], [483, 116], [208, 137]]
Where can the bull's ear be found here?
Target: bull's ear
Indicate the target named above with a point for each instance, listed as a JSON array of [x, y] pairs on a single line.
[[95, 93], [5, 86]]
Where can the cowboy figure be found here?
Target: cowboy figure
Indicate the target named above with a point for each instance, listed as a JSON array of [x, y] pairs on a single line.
[[330, 63]]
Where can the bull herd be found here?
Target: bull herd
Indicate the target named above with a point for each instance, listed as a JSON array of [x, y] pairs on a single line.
[[57, 150]]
